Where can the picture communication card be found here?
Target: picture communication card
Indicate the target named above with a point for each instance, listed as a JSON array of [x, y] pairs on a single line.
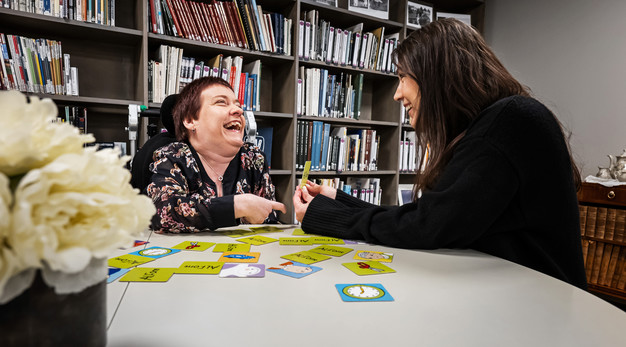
[[194, 246], [305, 174], [243, 270], [115, 273], [295, 241], [294, 269], [231, 247], [306, 257], [335, 251], [363, 268], [363, 292], [374, 256], [155, 252], [257, 240], [240, 257]]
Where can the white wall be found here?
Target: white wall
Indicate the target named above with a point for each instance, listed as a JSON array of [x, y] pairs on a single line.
[[572, 54]]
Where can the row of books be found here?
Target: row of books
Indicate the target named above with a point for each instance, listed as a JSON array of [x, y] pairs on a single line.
[[74, 115], [340, 149], [408, 152], [90, 11], [366, 189], [322, 94], [239, 23], [173, 71], [36, 66], [605, 262], [319, 40]]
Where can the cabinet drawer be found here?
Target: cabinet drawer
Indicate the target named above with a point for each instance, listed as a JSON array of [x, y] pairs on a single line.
[[599, 194]]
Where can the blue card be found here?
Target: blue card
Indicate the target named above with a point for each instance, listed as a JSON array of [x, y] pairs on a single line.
[[294, 269], [155, 252], [363, 292], [115, 273]]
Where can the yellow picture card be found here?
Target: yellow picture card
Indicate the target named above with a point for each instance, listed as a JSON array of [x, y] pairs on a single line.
[[240, 257], [148, 274], [328, 240], [200, 267], [299, 232], [305, 173], [128, 260], [306, 257], [194, 246], [335, 251], [231, 247], [374, 256], [239, 233], [267, 229], [363, 268], [257, 240], [295, 241]]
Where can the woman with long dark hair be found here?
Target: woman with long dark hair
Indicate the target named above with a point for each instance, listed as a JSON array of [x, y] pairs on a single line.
[[498, 177]]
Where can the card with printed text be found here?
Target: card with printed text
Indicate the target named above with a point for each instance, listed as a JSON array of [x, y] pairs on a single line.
[[327, 240], [306, 257], [295, 241], [240, 257], [200, 267], [148, 274], [267, 229], [194, 246], [305, 173], [363, 268], [239, 233], [231, 247], [257, 240], [128, 260], [335, 251]]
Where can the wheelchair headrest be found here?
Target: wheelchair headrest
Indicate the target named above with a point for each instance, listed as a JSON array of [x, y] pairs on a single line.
[[167, 107]]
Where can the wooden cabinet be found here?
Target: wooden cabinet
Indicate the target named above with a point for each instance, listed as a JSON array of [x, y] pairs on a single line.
[[113, 64], [603, 219]]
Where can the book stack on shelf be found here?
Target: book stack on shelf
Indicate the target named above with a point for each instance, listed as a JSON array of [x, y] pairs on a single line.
[[408, 152], [320, 41], [240, 23], [75, 115], [366, 189], [36, 66], [90, 11], [323, 94]]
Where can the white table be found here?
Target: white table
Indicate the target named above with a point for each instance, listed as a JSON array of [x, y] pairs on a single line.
[[442, 298]]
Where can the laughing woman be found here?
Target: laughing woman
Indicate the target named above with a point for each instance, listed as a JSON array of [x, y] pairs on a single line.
[[499, 176], [210, 178]]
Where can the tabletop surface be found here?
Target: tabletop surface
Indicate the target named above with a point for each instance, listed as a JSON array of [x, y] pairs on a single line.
[[441, 298]]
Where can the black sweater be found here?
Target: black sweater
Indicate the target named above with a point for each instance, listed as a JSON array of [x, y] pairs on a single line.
[[507, 191]]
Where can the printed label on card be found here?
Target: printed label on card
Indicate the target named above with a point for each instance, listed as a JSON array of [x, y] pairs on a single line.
[[335, 251], [306, 257], [295, 241], [200, 267], [128, 260], [257, 240], [148, 274], [194, 246], [231, 247]]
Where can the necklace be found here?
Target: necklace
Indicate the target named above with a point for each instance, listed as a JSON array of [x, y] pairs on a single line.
[[219, 177]]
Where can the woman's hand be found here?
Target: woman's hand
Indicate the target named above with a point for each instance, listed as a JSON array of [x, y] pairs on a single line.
[[255, 209], [301, 200], [314, 189]]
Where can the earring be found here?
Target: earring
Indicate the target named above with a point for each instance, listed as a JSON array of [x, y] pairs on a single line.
[[193, 130]]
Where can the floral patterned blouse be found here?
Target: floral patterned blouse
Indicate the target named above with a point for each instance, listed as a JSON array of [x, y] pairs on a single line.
[[186, 198]]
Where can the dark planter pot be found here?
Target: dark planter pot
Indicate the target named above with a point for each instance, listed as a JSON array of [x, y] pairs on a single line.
[[40, 317]]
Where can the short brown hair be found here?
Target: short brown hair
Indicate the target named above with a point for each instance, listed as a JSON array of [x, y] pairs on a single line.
[[189, 103]]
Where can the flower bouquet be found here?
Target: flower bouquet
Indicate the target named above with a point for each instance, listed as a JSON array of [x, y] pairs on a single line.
[[63, 206]]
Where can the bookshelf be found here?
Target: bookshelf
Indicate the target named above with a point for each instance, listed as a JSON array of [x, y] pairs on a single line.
[[113, 72]]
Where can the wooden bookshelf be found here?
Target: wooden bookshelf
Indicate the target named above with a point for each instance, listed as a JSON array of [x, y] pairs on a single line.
[[603, 219], [113, 72]]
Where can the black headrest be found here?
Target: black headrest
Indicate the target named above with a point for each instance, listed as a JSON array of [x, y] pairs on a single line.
[[167, 106]]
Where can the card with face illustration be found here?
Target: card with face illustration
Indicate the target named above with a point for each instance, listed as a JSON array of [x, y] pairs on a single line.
[[294, 269], [374, 256], [242, 270]]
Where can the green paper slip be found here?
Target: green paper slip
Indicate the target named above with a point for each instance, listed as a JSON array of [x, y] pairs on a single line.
[[306, 257], [363, 268], [305, 174], [231, 247], [294, 241], [148, 274], [128, 260], [257, 240], [332, 250], [194, 246], [200, 267]]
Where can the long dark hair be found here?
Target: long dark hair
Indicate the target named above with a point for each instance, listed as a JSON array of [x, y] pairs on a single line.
[[458, 76], [189, 103]]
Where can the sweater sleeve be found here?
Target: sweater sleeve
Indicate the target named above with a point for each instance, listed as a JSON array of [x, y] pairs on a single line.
[[477, 185], [350, 201]]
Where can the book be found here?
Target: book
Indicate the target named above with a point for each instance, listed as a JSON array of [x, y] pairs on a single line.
[[254, 68], [264, 142]]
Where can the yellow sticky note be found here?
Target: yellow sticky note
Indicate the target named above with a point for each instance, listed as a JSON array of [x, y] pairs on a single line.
[[231, 247], [148, 274], [305, 173], [257, 240], [240, 257], [128, 260], [200, 267], [306, 257], [335, 251], [294, 241], [194, 246]]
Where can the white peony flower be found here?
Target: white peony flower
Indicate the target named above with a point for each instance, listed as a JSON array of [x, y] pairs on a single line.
[[28, 136], [78, 206]]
